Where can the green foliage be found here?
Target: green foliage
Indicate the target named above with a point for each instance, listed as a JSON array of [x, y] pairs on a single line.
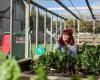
[[85, 26], [86, 61], [91, 77], [41, 72], [2, 57], [89, 58], [69, 23], [57, 60], [76, 77], [41, 19], [9, 70]]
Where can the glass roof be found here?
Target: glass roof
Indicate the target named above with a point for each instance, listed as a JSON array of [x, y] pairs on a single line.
[[78, 7]]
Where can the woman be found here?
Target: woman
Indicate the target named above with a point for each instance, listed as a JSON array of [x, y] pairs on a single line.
[[66, 40]]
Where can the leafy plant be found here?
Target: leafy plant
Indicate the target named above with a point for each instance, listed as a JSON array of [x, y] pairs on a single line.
[[2, 57], [57, 60], [88, 58], [9, 70], [91, 77], [41, 72], [76, 77]]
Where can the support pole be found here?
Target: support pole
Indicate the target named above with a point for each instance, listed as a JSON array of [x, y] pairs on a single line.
[[45, 21], [65, 25], [60, 26], [11, 27], [56, 29], [94, 40], [51, 33], [94, 26], [74, 24], [37, 22], [27, 24], [74, 33], [78, 29]]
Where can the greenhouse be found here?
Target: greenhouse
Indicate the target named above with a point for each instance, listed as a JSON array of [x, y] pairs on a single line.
[[50, 39]]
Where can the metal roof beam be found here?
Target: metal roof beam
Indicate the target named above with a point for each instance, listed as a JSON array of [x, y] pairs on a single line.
[[45, 9], [65, 7], [87, 2], [71, 8]]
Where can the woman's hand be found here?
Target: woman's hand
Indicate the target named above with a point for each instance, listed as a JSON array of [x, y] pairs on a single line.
[[67, 44]]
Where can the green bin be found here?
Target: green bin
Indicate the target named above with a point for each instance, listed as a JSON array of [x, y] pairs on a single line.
[[18, 50]]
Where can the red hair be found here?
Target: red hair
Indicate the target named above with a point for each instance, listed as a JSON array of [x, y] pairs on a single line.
[[70, 40]]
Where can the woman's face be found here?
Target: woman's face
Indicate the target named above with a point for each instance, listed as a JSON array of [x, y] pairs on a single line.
[[65, 37]]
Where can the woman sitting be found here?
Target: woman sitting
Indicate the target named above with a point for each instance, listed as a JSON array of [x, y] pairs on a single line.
[[66, 40]]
